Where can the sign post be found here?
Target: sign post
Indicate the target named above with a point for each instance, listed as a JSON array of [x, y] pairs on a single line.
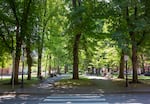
[[126, 57]]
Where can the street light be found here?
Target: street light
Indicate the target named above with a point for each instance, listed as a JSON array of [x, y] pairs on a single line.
[[22, 59], [126, 57], [13, 69]]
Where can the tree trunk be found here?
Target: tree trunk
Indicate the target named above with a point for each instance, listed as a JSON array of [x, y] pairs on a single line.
[[134, 51], [39, 62], [76, 46], [142, 59], [134, 58], [134, 63], [49, 65], [58, 70], [40, 50], [66, 68], [2, 65], [29, 61], [133, 44], [121, 69], [18, 44], [41, 43], [75, 56], [49, 69], [17, 55], [24, 29]]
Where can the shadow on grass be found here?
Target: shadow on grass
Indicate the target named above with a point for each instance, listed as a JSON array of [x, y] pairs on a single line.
[[114, 85], [73, 83], [70, 86], [6, 84], [102, 85]]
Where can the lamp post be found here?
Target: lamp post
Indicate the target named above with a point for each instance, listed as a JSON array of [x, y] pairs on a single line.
[[13, 69], [126, 57], [22, 59]]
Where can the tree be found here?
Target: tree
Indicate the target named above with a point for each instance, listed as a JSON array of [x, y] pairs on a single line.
[[76, 4], [85, 23], [132, 26], [20, 14]]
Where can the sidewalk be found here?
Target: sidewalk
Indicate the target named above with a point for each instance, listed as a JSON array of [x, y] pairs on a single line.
[[100, 85]]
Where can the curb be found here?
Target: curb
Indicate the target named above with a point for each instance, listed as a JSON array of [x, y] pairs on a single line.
[[49, 93]]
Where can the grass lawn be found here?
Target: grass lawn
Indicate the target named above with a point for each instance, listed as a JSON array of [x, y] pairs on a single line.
[[100, 83], [145, 81], [140, 77], [5, 83], [71, 82]]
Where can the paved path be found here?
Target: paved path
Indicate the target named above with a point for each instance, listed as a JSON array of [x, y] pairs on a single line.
[[74, 99], [42, 88]]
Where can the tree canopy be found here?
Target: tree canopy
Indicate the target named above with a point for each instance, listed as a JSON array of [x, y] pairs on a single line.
[[75, 33]]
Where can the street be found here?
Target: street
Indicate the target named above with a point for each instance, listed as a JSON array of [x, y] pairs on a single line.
[[137, 98]]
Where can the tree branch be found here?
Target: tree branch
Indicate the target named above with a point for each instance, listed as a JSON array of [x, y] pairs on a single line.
[[142, 38]]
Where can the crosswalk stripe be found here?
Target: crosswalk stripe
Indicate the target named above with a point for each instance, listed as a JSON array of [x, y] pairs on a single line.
[[77, 103], [72, 97], [89, 103], [76, 100]]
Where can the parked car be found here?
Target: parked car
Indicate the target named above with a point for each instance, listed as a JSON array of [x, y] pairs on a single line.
[[147, 74]]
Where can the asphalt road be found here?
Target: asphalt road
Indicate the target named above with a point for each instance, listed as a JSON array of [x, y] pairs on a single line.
[[137, 98]]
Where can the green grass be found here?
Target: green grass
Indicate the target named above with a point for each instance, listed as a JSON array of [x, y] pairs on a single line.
[[144, 77], [72, 82], [5, 83], [130, 76], [141, 78]]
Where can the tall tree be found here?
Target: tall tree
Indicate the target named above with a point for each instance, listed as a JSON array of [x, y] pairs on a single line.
[[20, 12], [44, 20], [133, 25], [76, 4]]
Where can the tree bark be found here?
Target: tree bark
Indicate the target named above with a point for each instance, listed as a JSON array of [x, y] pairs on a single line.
[[24, 28], [143, 61], [49, 65], [29, 61], [41, 40], [18, 44], [39, 62], [76, 46], [17, 55], [58, 69], [121, 69], [66, 68], [75, 56], [40, 50], [134, 58], [133, 44]]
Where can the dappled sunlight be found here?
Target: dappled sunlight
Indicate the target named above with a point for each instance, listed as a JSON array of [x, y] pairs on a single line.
[[45, 86], [95, 77], [98, 77], [69, 83], [12, 97], [101, 90], [7, 97]]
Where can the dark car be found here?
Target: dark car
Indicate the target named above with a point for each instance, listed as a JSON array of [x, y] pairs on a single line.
[[147, 74]]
